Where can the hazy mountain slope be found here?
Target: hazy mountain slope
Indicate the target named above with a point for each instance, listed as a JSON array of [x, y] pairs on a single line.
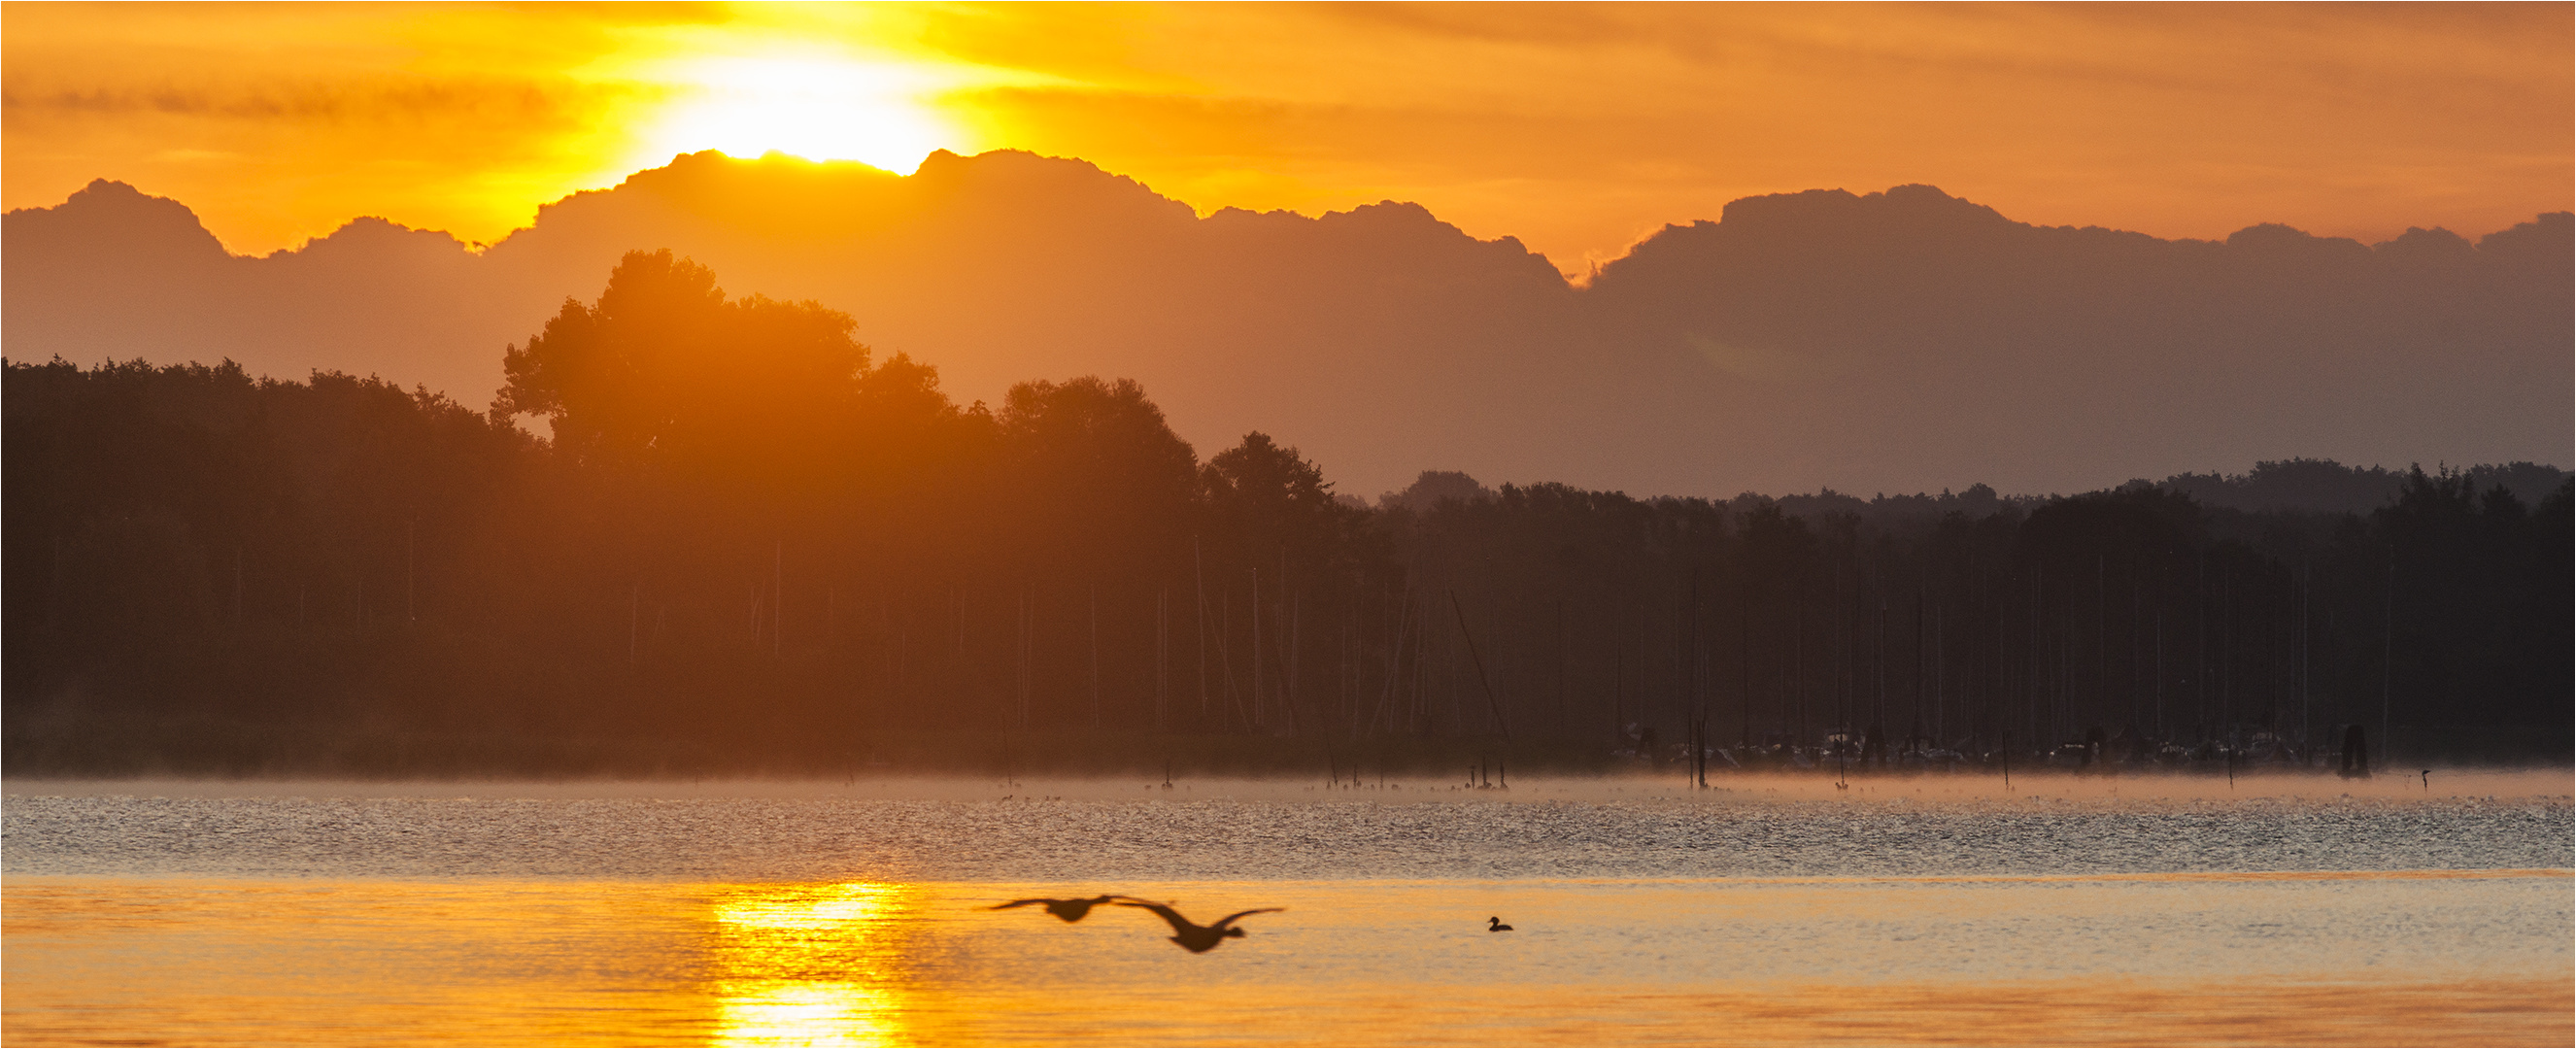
[[1922, 331], [114, 273], [1901, 340], [1364, 335]]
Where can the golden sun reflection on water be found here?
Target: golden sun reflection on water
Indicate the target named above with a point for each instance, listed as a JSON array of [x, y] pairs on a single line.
[[2276, 958], [809, 964]]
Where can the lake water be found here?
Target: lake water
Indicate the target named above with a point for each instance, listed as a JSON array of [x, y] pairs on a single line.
[[2167, 910]]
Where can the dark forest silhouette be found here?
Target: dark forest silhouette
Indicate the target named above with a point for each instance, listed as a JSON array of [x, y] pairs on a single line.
[[753, 545]]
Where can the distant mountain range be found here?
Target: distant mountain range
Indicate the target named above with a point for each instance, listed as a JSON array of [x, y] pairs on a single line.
[[1897, 341]]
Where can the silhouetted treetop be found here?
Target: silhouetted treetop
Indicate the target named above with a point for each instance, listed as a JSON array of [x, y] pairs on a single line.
[[2326, 486], [1272, 498], [1433, 487], [1098, 461], [663, 369], [1090, 425]]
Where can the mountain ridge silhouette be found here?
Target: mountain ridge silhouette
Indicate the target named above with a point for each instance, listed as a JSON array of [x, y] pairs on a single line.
[[1897, 340]]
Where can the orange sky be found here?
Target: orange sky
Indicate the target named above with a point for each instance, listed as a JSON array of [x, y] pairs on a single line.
[[1577, 129]]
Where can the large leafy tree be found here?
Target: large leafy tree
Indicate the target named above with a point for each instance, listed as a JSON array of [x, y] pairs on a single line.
[[1271, 500], [1104, 471], [664, 370]]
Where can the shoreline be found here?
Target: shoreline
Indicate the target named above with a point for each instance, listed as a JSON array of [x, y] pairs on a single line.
[[2500, 784]]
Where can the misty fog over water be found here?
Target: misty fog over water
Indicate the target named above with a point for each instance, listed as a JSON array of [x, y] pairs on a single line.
[[1110, 830], [1921, 910]]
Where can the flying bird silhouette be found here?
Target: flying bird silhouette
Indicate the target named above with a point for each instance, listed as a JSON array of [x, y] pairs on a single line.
[[1198, 939], [1069, 910], [1496, 925]]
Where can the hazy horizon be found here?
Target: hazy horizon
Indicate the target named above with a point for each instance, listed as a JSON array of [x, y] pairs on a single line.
[[1380, 524], [1384, 341]]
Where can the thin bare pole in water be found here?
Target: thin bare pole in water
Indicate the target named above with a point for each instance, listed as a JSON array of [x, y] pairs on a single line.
[[2068, 721], [1744, 664], [2388, 663], [1681, 662], [1348, 676], [1386, 676], [1162, 659], [1198, 572], [2069, 724], [1999, 696], [1258, 648], [1703, 668], [1787, 715], [1419, 701], [1393, 678], [1225, 650], [2031, 663], [1296, 652], [1491, 703], [1878, 705], [1094, 594], [1799, 656], [1645, 694], [2346, 705], [1972, 685], [1916, 727], [2200, 622], [1028, 631], [2307, 712], [1457, 705], [1842, 669], [2101, 634], [1699, 750], [1404, 694], [2227, 661], [1389, 711], [1618, 683]]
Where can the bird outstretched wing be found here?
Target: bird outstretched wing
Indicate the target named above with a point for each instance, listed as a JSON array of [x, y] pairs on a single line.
[[1015, 903], [1229, 919], [1178, 923]]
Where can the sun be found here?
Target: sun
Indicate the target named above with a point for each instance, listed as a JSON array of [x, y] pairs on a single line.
[[815, 108]]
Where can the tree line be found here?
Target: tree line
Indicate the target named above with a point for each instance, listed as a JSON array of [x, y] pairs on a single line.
[[750, 544]]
